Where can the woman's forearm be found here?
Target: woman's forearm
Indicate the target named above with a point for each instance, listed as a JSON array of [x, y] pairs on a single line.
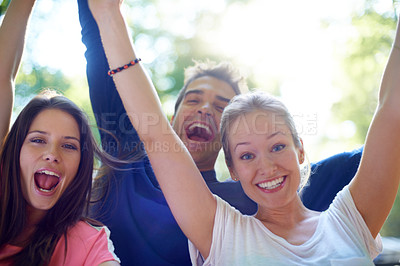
[[133, 84], [12, 41], [184, 190]]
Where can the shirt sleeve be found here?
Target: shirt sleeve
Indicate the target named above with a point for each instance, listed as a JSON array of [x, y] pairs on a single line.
[[85, 245], [344, 204], [118, 136], [224, 217], [102, 248]]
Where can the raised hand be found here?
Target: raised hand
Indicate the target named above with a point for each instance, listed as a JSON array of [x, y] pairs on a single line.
[[12, 40]]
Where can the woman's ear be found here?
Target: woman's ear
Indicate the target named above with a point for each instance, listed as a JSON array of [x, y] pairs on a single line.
[[301, 152], [233, 174]]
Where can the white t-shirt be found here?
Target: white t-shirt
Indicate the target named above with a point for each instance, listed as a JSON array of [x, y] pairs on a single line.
[[341, 238]]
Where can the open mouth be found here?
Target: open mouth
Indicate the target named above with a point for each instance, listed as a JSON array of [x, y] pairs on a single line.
[[199, 132], [269, 185], [46, 181]]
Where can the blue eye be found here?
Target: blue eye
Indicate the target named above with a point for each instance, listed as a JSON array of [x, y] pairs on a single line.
[[247, 156], [278, 147]]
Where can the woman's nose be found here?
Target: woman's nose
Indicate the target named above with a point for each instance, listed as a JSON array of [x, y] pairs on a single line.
[[51, 155], [267, 166]]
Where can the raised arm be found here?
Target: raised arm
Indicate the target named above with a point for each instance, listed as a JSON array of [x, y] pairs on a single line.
[[375, 185], [106, 104], [190, 201], [12, 39]]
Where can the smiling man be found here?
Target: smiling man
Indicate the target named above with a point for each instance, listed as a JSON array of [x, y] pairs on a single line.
[[143, 230], [198, 113]]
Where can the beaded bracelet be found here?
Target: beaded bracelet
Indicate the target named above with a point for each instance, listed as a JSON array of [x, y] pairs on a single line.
[[119, 69]]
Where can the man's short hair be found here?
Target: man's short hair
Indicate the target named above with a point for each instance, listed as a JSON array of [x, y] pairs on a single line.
[[224, 71]]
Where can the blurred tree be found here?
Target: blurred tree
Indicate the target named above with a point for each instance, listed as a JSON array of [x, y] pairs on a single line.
[[3, 6], [170, 41], [363, 63], [32, 79], [362, 66]]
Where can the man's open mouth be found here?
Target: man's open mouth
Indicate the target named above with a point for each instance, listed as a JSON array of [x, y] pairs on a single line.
[[200, 132], [46, 181]]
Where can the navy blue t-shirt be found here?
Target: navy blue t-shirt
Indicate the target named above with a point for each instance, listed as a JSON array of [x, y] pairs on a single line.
[[143, 230], [328, 177]]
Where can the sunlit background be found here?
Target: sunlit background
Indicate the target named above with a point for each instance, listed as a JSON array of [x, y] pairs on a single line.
[[323, 58], [290, 48]]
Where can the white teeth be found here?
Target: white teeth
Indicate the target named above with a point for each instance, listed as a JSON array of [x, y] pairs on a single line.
[[271, 184], [201, 126], [47, 172], [46, 190]]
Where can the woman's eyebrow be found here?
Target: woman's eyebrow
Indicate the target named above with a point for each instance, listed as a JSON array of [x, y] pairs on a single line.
[[45, 133]]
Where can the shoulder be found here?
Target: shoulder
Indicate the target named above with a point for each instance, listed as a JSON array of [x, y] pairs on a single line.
[[86, 235], [232, 192], [85, 229], [228, 216], [344, 217], [90, 234], [86, 245]]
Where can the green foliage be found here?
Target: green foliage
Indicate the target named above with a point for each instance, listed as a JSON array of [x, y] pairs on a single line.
[[392, 224], [31, 80], [3, 6], [173, 45], [362, 66]]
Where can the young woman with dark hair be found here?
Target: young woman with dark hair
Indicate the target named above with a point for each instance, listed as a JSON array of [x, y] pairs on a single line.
[[46, 168]]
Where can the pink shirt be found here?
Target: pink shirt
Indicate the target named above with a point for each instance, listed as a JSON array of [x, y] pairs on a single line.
[[87, 245]]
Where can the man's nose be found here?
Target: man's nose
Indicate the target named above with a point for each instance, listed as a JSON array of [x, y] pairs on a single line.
[[205, 109]]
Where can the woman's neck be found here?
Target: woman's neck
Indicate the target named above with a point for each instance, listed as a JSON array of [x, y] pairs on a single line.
[[294, 222]]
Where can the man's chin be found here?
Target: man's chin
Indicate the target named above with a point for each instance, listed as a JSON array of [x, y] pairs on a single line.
[[197, 146], [203, 147]]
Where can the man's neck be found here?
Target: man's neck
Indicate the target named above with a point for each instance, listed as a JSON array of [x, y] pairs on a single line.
[[204, 164], [204, 168]]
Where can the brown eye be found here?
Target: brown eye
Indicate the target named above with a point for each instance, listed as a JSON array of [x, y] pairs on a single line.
[[220, 108], [70, 146]]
